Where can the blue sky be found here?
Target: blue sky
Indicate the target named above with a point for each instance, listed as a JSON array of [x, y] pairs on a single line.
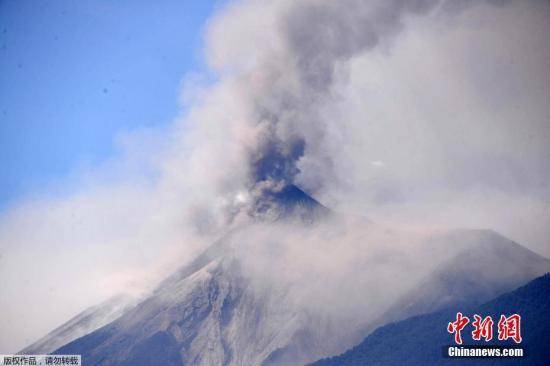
[[76, 74]]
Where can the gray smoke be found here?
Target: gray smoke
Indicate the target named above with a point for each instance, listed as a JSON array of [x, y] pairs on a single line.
[[318, 39]]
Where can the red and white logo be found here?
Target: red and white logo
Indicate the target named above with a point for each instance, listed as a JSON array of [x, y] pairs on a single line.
[[508, 327]]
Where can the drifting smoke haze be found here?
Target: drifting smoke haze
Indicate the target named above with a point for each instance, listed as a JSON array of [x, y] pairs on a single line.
[[416, 114]]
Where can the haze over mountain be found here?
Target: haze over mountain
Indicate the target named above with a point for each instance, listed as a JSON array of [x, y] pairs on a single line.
[[486, 265], [86, 322], [420, 340], [217, 310]]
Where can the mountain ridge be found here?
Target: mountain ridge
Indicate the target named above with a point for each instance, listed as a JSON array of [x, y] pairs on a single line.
[[393, 344], [208, 313]]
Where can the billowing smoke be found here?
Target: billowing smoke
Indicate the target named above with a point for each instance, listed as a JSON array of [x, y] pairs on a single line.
[[292, 81], [316, 38]]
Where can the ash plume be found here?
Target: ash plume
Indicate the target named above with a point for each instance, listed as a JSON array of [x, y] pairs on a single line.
[[291, 82]]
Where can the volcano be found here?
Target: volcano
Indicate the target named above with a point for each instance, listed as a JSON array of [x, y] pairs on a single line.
[[210, 313]]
